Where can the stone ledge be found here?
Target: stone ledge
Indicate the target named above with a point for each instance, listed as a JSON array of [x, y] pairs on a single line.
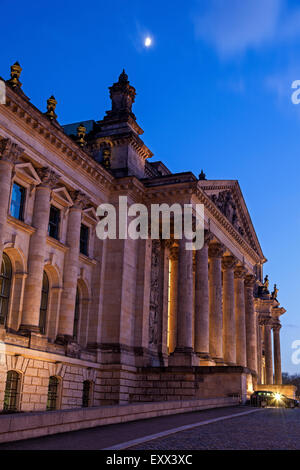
[[16, 427]]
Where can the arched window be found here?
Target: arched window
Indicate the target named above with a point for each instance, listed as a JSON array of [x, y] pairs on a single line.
[[12, 391], [76, 315], [44, 303], [5, 284], [87, 393], [53, 393]]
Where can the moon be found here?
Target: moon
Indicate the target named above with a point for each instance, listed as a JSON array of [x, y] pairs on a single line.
[[148, 41]]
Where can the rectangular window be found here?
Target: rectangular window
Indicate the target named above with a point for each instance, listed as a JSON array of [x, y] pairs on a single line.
[[17, 201], [54, 220], [84, 239]]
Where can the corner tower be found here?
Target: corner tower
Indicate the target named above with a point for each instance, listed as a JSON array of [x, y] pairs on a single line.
[[116, 138]]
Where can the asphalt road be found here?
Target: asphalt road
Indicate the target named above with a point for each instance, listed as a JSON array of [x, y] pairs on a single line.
[[265, 429]]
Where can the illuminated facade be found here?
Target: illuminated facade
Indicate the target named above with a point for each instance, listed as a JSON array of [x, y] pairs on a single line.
[[86, 322]]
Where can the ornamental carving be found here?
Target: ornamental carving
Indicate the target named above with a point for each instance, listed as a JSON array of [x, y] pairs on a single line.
[[225, 203], [216, 250], [208, 236], [265, 321], [174, 253], [48, 177], [250, 280], [80, 200], [240, 272], [9, 151], [154, 293], [228, 262], [277, 327]]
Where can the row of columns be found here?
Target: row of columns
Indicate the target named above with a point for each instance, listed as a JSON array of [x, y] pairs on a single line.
[[225, 319], [267, 376], [9, 153]]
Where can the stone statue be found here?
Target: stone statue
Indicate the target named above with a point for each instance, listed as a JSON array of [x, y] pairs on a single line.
[[275, 292], [266, 283]]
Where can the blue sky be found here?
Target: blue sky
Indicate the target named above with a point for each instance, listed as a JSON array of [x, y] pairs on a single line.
[[213, 92]]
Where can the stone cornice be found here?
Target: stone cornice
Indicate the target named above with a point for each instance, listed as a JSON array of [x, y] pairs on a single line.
[[128, 138], [131, 187], [54, 137], [57, 244], [19, 224]]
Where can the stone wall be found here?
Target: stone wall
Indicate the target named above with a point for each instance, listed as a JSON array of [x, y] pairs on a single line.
[[29, 425]]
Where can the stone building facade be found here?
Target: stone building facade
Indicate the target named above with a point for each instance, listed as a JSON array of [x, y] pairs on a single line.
[[88, 322]]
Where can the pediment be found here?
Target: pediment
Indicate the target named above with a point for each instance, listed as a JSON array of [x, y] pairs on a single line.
[[90, 215], [228, 198], [27, 173], [62, 196]]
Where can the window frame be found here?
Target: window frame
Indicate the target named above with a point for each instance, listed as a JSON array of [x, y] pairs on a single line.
[[59, 211], [23, 201], [17, 392], [89, 399], [7, 298], [57, 396], [87, 241], [77, 310], [44, 317]]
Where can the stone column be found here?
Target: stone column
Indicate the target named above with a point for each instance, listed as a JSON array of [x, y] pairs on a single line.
[[202, 302], [173, 298], [240, 320], [251, 323], [71, 266], [229, 335], [215, 253], [277, 353], [9, 153], [185, 299], [37, 251], [268, 351], [259, 349]]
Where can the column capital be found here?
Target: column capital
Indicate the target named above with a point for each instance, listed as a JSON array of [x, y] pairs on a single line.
[[9, 151], [216, 250], [174, 253], [80, 200], [265, 321], [250, 280], [167, 243], [276, 326], [240, 272], [208, 236], [48, 177], [228, 262]]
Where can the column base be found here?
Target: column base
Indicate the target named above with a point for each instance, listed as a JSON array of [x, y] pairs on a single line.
[[26, 330], [205, 359], [64, 339], [38, 341], [183, 357], [219, 361], [72, 348]]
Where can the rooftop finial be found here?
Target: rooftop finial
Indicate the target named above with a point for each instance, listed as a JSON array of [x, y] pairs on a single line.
[[122, 95], [51, 105], [15, 72], [202, 176], [123, 78]]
